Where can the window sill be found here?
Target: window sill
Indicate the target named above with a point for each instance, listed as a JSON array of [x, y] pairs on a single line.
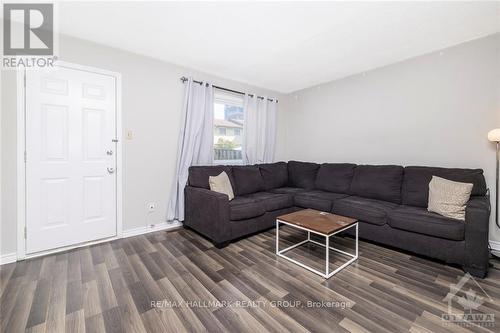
[[228, 162]]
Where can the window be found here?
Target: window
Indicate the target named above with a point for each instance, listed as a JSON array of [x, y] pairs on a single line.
[[228, 127]]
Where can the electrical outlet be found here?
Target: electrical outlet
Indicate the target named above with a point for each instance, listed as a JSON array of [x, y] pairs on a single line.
[[151, 207]]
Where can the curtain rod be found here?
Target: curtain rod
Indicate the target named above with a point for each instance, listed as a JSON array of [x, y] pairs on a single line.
[[184, 79]]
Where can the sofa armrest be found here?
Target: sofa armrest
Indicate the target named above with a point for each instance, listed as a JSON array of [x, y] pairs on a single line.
[[208, 213], [477, 220]]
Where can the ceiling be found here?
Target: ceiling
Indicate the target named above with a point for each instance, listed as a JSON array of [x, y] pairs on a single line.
[[283, 46]]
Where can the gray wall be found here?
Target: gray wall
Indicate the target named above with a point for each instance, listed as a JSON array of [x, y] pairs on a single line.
[[435, 109], [152, 96], [431, 110]]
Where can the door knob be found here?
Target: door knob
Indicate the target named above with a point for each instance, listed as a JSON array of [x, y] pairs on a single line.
[[109, 152], [111, 170]]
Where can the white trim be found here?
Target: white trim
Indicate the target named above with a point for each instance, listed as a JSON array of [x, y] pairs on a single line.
[[21, 166], [69, 247], [8, 258], [119, 155], [495, 245], [151, 228]]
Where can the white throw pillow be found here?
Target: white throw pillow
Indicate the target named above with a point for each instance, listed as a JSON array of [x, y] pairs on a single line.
[[221, 184], [448, 198]]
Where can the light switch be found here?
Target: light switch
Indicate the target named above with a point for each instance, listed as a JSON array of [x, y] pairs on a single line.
[[130, 135]]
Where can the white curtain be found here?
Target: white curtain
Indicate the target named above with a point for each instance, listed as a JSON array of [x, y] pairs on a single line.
[[195, 141], [259, 129]]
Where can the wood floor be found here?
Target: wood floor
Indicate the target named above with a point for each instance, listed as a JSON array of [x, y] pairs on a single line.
[[242, 288]]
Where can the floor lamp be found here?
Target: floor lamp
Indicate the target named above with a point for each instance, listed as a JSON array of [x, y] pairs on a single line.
[[494, 136]]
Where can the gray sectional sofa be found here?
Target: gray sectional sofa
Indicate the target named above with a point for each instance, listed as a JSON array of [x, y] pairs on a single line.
[[390, 202]]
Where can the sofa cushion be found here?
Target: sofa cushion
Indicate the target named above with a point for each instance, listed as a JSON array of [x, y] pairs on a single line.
[[198, 175], [274, 174], [335, 177], [419, 220], [287, 190], [302, 174], [247, 179], [381, 182], [317, 199], [241, 208], [363, 209], [272, 201], [415, 191]]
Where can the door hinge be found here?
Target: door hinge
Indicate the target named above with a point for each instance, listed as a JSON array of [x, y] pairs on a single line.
[[25, 156], [25, 233]]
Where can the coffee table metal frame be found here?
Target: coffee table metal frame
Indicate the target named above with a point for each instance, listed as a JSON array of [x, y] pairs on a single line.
[[327, 274]]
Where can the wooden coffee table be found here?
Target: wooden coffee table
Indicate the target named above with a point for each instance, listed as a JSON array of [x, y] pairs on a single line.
[[319, 223]]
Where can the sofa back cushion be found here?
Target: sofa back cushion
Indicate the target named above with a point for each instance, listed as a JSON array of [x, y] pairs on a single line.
[[381, 182], [335, 177], [274, 174], [247, 179], [416, 180], [302, 174], [198, 175]]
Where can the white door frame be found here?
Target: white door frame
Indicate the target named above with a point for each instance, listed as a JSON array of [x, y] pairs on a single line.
[[21, 165]]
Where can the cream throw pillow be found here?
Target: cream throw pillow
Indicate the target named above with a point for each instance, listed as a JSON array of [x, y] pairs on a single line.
[[221, 184], [448, 198]]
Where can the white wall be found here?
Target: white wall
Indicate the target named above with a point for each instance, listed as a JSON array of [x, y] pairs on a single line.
[[152, 96], [432, 110], [8, 226]]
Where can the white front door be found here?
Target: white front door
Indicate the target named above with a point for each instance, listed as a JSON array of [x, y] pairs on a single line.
[[70, 157]]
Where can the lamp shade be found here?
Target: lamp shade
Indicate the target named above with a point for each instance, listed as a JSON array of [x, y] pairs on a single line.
[[494, 135]]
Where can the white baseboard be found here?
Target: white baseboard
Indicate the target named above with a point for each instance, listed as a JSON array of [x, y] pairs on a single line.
[[8, 258], [495, 246], [151, 228]]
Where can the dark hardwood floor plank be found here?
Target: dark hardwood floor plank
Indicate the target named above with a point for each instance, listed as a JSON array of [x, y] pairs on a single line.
[[75, 322], [74, 266], [109, 256], [104, 287], [17, 321], [87, 265], [5, 275], [40, 303], [74, 296], [140, 297], [96, 254], [126, 269], [131, 318], [155, 272], [56, 311], [91, 300], [182, 310], [95, 324], [162, 322], [8, 300], [113, 320]]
